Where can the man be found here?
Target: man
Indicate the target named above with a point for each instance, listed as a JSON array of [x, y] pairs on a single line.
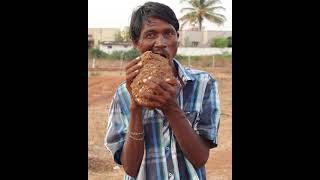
[[173, 140]]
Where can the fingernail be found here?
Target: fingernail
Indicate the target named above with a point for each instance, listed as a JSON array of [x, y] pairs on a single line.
[[138, 57], [136, 70], [144, 80], [140, 90], [149, 77], [168, 79], [140, 64]]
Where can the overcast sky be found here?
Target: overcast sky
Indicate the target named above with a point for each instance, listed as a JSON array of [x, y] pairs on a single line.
[[117, 13]]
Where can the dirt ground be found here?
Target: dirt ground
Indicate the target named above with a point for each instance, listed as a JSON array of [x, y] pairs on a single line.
[[102, 85]]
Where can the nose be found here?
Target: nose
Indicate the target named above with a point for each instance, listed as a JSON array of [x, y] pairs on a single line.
[[161, 42]]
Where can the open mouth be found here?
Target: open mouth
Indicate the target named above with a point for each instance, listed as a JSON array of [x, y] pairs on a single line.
[[163, 55]]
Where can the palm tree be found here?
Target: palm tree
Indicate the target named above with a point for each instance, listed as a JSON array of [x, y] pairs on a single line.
[[200, 10]]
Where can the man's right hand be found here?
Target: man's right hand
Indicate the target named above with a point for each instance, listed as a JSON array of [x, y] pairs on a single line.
[[133, 148], [132, 70]]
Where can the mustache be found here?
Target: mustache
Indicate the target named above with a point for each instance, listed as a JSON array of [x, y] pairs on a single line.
[[162, 53]]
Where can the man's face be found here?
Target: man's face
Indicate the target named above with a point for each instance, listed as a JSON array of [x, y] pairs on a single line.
[[159, 37]]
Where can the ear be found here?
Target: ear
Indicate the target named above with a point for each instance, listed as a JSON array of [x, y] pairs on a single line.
[[136, 46]]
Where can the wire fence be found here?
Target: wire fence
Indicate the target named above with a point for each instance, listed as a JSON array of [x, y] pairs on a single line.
[[208, 62]]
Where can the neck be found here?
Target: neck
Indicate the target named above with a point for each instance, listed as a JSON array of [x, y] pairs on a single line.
[[173, 67]]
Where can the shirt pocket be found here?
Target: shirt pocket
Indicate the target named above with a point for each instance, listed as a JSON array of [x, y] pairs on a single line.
[[192, 117]]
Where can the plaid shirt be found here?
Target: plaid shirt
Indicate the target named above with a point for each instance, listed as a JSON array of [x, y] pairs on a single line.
[[163, 158]]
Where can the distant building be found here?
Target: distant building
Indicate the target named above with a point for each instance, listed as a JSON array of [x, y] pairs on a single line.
[[111, 46], [194, 38], [187, 38], [101, 35]]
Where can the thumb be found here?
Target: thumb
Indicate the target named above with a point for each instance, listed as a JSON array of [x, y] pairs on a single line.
[[171, 81]]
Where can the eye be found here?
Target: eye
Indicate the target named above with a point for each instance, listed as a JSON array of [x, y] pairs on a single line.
[[170, 33], [150, 35]]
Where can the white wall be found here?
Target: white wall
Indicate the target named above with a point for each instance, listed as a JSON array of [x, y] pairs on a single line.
[[114, 48], [187, 51], [193, 51]]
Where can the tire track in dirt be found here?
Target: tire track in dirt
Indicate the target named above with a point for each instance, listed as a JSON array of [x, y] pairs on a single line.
[[101, 89]]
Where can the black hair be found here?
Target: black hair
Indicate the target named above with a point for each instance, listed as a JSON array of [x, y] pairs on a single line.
[[150, 9]]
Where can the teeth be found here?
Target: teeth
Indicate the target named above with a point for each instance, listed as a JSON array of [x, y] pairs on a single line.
[[161, 55]]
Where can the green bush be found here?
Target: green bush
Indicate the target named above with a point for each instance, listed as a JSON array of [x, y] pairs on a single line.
[[125, 55], [179, 57], [96, 53], [115, 55], [219, 42], [131, 54], [230, 41]]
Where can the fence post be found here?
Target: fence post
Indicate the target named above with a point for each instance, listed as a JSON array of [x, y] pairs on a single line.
[[189, 61], [212, 62], [121, 61], [93, 63]]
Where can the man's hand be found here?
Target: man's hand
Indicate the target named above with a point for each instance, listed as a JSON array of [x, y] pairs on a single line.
[[166, 93], [132, 153], [132, 70], [192, 145]]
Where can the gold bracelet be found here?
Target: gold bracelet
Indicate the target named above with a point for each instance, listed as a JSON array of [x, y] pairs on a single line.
[[137, 139]]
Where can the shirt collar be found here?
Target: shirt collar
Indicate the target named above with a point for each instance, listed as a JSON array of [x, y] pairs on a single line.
[[183, 74]]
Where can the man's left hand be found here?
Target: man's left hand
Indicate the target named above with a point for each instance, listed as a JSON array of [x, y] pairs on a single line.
[[166, 93]]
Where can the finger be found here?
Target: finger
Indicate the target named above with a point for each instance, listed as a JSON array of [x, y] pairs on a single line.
[[154, 85], [153, 97], [134, 68], [132, 62], [172, 82], [170, 85], [167, 85], [150, 105], [131, 76], [138, 100], [153, 105]]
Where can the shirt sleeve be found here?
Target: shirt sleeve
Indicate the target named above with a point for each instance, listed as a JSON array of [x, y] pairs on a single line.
[[207, 122], [116, 130], [128, 177]]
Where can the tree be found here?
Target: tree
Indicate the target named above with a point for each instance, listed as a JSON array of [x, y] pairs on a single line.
[[118, 37], [125, 34], [122, 36], [219, 42], [200, 10]]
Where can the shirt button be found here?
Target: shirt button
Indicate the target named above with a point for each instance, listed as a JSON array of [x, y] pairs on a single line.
[[167, 148], [170, 174]]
